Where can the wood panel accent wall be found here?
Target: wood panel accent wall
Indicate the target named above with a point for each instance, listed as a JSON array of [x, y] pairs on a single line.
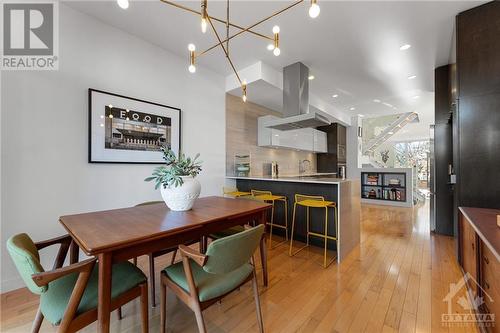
[[478, 69], [241, 137]]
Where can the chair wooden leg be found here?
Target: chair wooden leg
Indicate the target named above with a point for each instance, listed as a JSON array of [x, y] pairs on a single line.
[[152, 279], [144, 308], [37, 323], [173, 257], [257, 300], [163, 306], [199, 317], [134, 261], [119, 312]]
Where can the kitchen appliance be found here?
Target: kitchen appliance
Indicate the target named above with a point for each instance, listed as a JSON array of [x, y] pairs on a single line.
[[296, 110], [341, 171], [242, 165], [274, 169]]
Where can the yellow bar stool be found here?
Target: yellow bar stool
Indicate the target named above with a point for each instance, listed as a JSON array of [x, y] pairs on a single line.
[[233, 192], [268, 197], [309, 201]]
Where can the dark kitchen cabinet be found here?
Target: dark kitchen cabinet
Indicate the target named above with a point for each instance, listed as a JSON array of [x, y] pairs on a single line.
[[336, 149], [442, 221], [478, 122]]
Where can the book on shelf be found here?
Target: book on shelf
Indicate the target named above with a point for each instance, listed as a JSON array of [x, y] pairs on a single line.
[[372, 179]]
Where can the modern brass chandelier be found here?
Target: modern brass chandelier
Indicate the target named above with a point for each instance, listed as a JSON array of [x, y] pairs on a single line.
[[206, 19]]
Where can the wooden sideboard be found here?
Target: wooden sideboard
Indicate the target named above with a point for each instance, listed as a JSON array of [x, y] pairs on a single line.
[[479, 256]]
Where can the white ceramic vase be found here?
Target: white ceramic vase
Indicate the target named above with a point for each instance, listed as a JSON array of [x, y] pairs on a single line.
[[181, 198]]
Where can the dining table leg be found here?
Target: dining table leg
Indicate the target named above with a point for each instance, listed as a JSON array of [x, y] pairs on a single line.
[[104, 299], [263, 251]]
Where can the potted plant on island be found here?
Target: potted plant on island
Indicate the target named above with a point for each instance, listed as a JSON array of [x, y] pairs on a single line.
[[176, 180]]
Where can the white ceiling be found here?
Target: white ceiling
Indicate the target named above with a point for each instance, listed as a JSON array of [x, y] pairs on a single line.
[[352, 48]]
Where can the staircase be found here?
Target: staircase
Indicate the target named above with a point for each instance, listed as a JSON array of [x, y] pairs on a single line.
[[402, 120]]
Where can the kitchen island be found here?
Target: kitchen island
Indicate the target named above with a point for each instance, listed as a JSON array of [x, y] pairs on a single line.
[[345, 192]]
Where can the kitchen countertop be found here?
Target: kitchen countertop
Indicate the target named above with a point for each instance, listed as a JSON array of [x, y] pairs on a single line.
[[297, 179]]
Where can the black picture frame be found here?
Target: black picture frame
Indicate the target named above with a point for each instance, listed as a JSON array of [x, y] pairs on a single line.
[[90, 119]]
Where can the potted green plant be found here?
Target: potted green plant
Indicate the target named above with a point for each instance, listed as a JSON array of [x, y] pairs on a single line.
[[176, 180]]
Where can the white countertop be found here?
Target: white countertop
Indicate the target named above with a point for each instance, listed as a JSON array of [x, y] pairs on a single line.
[[295, 179]]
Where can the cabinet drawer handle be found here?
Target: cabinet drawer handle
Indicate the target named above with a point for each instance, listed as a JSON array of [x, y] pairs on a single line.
[[472, 245], [486, 260]]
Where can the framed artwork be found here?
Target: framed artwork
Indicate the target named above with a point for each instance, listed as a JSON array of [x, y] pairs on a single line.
[[129, 130]]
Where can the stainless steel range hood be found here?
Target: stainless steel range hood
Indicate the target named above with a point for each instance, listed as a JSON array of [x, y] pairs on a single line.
[[296, 111]]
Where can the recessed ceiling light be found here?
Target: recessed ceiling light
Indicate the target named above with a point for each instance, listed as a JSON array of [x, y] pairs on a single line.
[[411, 77], [335, 96], [361, 115], [311, 77], [390, 133], [352, 108], [405, 47], [416, 96], [377, 100]]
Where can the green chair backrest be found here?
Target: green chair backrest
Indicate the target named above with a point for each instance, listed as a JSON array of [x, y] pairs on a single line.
[[25, 255], [229, 253]]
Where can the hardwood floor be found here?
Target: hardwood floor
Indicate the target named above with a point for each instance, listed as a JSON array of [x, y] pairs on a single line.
[[394, 281]]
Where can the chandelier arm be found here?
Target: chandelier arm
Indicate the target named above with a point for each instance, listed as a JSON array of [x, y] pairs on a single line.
[[214, 18], [227, 26], [252, 26], [221, 43], [274, 14]]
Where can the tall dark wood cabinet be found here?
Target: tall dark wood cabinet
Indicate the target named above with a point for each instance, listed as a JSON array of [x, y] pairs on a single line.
[[476, 139], [336, 144], [442, 220], [478, 112]]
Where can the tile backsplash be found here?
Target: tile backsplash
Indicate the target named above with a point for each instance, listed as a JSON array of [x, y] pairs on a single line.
[[241, 138]]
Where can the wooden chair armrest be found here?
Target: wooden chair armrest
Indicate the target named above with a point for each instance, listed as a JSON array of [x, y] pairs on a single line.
[[197, 257], [42, 279], [66, 239]]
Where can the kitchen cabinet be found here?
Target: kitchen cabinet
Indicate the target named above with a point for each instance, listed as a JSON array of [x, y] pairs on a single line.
[[305, 139], [336, 153], [479, 257], [319, 143]]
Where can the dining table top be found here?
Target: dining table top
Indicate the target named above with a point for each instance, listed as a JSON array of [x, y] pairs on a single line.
[[102, 231]]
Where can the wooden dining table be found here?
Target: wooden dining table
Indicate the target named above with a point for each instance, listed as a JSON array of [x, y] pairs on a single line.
[[121, 234]]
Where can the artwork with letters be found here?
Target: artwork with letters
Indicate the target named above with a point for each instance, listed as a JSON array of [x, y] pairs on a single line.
[[130, 130]]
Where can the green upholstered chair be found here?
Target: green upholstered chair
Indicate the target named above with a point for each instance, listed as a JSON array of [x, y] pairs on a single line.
[[153, 255], [68, 295], [203, 279]]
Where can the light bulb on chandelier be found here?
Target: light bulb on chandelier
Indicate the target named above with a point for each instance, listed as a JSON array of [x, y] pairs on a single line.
[[203, 25], [192, 67], [314, 10], [276, 46], [123, 4], [204, 16], [244, 90]]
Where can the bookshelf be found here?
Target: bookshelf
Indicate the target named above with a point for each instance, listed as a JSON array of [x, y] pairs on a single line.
[[384, 186]]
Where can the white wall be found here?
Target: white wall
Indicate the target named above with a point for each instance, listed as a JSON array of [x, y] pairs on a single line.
[[44, 169]]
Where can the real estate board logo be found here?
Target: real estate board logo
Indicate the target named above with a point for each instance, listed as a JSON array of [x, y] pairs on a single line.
[[471, 311], [30, 35]]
